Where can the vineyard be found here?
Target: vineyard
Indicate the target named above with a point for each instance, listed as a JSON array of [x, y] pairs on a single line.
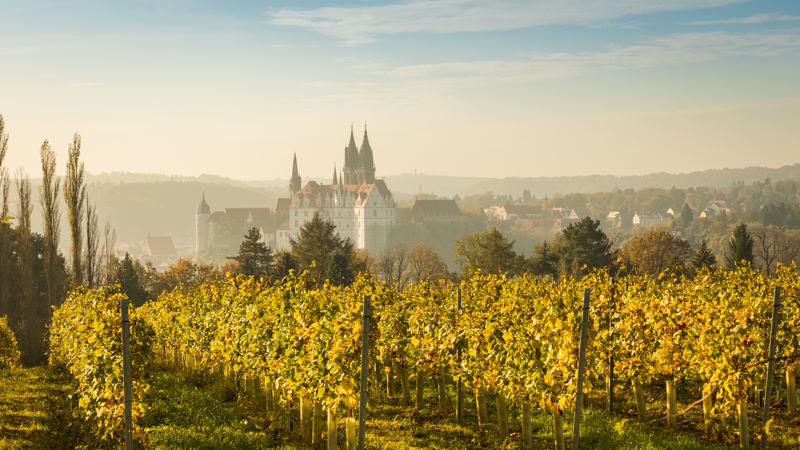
[[297, 347]]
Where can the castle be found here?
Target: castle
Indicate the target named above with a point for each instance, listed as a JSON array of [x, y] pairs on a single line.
[[359, 205]]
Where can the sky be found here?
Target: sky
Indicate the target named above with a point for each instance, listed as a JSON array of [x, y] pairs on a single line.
[[502, 88]]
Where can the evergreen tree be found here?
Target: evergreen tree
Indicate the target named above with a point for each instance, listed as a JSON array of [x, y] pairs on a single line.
[[488, 251], [282, 263], [316, 244], [254, 258], [703, 257], [339, 270], [544, 261], [686, 217], [128, 279], [584, 244], [740, 247]]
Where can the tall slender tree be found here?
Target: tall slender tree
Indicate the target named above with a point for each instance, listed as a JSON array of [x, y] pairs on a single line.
[[75, 197], [5, 184], [48, 198], [92, 242], [109, 241], [25, 254]]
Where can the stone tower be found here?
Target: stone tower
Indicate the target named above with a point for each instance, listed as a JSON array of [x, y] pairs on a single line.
[[295, 183], [351, 161], [201, 217], [366, 160]]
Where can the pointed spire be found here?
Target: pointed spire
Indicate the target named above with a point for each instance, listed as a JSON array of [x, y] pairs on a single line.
[[335, 181], [203, 207], [295, 181], [366, 159]]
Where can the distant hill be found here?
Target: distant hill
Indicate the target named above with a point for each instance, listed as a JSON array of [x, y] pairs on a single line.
[[138, 204], [539, 186]]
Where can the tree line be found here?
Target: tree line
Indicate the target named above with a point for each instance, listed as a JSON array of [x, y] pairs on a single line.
[[34, 275]]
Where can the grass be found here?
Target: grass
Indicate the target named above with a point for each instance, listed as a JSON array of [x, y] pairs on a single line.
[[192, 411], [35, 411]]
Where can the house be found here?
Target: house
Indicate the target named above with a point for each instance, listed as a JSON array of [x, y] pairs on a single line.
[[563, 217], [513, 212], [159, 250], [614, 219], [647, 219], [435, 211]]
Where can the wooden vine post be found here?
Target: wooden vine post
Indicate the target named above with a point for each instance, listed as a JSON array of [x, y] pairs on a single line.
[[126, 372], [362, 409], [576, 423], [459, 383], [776, 304], [791, 390]]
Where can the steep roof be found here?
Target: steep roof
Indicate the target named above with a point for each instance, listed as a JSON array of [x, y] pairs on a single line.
[[203, 207], [159, 245], [522, 210], [314, 191], [435, 208]]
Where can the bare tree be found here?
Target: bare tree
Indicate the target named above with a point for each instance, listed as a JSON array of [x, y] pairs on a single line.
[[109, 240], [92, 241], [48, 198], [773, 245], [424, 264], [75, 197], [392, 265]]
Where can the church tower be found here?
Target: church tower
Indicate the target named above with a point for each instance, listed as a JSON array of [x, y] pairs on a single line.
[[351, 161], [201, 217], [295, 183], [367, 168]]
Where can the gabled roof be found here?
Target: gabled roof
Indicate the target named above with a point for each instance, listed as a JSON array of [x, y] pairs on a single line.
[[315, 191], [435, 208], [282, 205], [159, 245]]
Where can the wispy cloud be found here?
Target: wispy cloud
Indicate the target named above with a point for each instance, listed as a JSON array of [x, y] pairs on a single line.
[[360, 24], [749, 20], [660, 51]]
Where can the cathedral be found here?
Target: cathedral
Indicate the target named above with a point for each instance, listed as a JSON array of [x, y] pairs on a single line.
[[359, 205]]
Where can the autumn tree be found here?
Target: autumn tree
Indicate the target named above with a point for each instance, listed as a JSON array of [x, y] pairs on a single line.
[[254, 258], [656, 250], [25, 255], [686, 217], [740, 247], [392, 266], [424, 264], [109, 241], [75, 197], [488, 251]]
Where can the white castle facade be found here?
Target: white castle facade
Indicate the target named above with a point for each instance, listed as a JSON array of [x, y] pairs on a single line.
[[359, 205]]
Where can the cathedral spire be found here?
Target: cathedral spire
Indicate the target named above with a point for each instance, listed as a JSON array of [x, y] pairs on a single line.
[[335, 181], [295, 181], [366, 159]]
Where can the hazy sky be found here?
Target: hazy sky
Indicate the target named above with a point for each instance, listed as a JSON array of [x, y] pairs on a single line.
[[455, 87]]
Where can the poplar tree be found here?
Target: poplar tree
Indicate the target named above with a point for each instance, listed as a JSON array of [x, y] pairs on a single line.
[[92, 242], [25, 255], [48, 197], [75, 197], [5, 185]]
